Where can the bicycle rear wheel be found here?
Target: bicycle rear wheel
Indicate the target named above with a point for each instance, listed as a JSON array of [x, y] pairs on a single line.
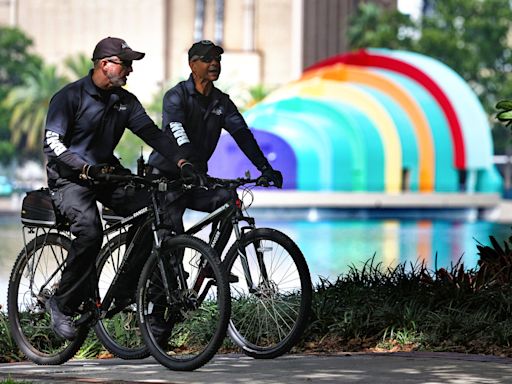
[[119, 333], [270, 314], [34, 278], [183, 325]]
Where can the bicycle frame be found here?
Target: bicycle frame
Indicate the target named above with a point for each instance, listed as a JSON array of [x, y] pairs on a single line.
[[235, 214], [173, 276], [226, 211], [149, 216]]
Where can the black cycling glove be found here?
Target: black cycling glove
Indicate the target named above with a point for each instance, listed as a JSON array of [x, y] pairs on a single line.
[[270, 176], [190, 175], [93, 172]]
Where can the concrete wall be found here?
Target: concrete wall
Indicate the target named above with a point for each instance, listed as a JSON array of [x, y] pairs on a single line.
[[266, 41]]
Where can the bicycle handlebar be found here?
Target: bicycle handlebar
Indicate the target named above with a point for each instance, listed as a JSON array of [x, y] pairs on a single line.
[[110, 177], [230, 183], [163, 184]]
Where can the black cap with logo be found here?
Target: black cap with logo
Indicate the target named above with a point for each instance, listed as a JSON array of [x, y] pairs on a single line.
[[201, 48], [113, 46]]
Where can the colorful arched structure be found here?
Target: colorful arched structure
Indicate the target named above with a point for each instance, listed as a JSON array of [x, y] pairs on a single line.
[[373, 120]]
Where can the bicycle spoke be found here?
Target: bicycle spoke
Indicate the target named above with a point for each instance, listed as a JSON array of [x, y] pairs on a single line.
[[184, 326], [34, 279], [119, 331], [267, 319]]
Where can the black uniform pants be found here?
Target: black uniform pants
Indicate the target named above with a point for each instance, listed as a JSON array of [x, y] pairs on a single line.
[[78, 203]]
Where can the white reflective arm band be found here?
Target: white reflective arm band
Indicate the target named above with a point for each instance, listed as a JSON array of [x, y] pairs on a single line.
[[54, 142], [179, 133]]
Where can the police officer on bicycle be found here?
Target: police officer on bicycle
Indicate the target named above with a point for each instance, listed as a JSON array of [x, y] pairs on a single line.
[[194, 113], [85, 122]]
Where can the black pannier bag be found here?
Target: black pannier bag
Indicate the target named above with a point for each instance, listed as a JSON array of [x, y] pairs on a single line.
[[37, 209]]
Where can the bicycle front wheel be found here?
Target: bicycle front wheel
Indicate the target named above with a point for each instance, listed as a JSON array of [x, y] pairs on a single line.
[[271, 301], [34, 278], [184, 303], [120, 332]]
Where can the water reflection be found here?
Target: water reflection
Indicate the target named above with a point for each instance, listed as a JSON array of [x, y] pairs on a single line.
[[332, 246]]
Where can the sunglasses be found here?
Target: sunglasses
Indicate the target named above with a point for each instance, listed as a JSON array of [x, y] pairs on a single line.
[[209, 58], [123, 63]]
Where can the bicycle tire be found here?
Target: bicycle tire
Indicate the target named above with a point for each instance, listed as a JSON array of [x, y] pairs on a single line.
[[185, 334], [26, 297], [269, 320], [119, 334]]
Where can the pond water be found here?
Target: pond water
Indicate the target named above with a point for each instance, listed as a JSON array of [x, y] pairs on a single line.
[[332, 245]]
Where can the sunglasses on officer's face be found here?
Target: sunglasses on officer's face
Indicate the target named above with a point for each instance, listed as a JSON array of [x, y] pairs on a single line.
[[123, 63], [209, 58]]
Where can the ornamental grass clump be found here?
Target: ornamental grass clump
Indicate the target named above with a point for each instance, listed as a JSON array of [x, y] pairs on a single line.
[[8, 349], [409, 307], [366, 304]]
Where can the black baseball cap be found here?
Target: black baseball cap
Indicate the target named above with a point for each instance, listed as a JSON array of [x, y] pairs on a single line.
[[113, 46], [202, 47]]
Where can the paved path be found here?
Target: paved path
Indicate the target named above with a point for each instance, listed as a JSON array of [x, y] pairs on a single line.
[[403, 368]]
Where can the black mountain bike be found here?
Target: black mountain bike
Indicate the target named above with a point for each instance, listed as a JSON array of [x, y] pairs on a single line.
[[183, 314], [271, 288], [271, 297]]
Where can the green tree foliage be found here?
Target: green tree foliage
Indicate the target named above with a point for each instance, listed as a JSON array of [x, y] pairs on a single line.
[[28, 104], [256, 94], [79, 65], [373, 27], [154, 107], [16, 62], [470, 36], [26, 87]]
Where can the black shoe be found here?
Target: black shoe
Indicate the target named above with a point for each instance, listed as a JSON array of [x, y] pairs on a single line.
[[61, 324]]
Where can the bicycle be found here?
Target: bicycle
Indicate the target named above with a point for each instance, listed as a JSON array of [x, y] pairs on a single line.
[[271, 301], [175, 264]]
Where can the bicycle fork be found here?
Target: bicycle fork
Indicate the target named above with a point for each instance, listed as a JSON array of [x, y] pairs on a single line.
[[179, 297], [259, 250]]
